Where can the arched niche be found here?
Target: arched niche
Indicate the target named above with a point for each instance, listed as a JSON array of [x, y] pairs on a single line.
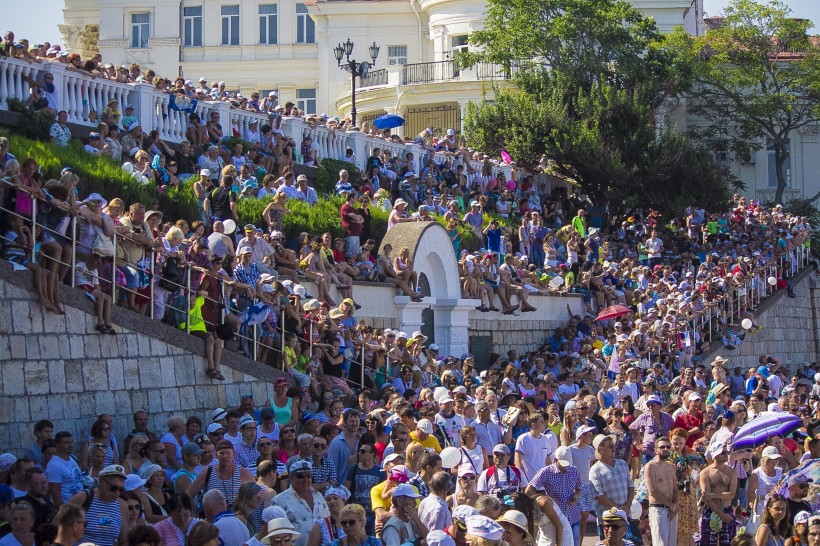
[[432, 253]]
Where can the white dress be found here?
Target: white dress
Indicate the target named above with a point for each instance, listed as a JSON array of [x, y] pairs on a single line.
[[546, 533]]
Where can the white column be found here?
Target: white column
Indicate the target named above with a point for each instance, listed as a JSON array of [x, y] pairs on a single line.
[[452, 325], [355, 140]]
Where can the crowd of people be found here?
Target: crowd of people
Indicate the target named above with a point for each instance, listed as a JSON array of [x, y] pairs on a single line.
[[619, 419], [648, 462]]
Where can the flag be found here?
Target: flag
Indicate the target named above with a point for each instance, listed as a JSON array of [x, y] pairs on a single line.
[[182, 103], [685, 339]]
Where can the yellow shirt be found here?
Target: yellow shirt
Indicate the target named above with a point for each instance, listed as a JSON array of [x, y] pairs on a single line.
[[431, 442], [377, 501], [195, 316]]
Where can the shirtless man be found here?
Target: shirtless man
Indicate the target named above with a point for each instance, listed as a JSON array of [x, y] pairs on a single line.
[[719, 484], [662, 484]]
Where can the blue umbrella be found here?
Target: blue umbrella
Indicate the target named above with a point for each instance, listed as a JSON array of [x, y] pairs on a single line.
[[388, 121], [755, 433]]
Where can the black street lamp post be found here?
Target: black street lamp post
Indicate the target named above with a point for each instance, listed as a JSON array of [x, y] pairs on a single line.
[[356, 69]]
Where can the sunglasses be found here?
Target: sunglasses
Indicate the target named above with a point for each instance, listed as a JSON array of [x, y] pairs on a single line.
[[319, 446], [132, 507], [280, 540], [264, 444], [115, 488], [364, 451], [302, 475], [348, 522], [609, 526], [469, 477]]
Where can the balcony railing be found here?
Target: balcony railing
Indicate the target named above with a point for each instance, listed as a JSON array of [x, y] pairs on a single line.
[[437, 71], [374, 78]]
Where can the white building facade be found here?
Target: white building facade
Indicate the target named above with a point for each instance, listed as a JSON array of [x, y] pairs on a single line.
[[288, 45]]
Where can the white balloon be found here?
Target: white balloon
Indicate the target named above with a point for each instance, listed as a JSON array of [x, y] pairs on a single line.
[[746, 323], [128, 167], [635, 510], [450, 457], [772, 281], [557, 282]]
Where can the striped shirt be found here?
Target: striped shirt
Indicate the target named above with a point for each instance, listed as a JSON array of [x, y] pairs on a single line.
[[104, 522], [228, 487]]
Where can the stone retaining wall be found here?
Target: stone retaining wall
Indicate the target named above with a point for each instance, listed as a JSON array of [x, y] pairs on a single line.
[[790, 328], [60, 368], [520, 334]]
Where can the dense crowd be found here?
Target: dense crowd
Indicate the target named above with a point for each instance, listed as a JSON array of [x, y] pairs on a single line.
[[616, 417]]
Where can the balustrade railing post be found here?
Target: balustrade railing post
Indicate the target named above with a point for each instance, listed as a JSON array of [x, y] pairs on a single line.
[[114, 271], [283, 339], [34, 256], [187, 299], [151, 283], [362, 383], [74, 252]]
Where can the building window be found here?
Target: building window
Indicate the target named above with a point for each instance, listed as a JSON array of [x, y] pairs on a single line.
[[193, 26], [787, 165], [230, 25], [268, 24], [306, 100], [140, 29], [396, 54], [458, 44], [305, 27]]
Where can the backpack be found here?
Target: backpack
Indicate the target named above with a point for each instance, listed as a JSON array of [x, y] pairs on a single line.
[[171, 278], [176, 311]]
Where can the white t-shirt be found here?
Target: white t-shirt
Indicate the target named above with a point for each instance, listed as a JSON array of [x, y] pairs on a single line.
[[67, 473], [582, 457], [534, 452], [452, 425], [567, 390]]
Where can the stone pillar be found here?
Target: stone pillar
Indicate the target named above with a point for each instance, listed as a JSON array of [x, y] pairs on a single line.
[[142, 98], [409, 312], [59, 72], [452, 325], [355, 140]]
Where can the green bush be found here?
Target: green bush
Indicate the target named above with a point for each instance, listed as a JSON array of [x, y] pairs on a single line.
[[329, 174], [106, 177], [34, 124]]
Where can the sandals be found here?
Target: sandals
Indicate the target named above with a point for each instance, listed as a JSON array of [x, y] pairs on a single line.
[[106, 329], [494, 308], [213, 374]]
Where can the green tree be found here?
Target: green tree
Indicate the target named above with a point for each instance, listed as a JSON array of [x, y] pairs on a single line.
[[588, 77], [756, 78]]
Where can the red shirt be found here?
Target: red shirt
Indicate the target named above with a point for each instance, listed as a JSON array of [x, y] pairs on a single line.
[[351, 228], [688, 422]]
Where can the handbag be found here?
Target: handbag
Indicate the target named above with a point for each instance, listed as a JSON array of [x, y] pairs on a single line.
[[224, 331], [104, 246], [171, 278]]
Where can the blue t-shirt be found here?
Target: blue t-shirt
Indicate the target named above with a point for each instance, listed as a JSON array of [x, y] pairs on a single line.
[[494, 240]]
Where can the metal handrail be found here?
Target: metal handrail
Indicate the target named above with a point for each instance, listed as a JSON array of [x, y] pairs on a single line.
[[118, 262]]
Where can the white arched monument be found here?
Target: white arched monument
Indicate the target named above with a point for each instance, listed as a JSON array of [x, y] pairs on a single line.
[[433, 258]]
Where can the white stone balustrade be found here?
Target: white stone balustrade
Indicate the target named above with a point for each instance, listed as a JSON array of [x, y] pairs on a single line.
[[242, 119], [79, 94], [12, 85], [477, 166]]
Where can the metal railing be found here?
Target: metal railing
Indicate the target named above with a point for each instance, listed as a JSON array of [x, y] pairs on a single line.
[[436, 71], [250, 338], [374, 78], [730, 309]]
